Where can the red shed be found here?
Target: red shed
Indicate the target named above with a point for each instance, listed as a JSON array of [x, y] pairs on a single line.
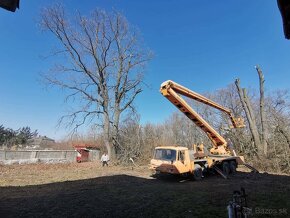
[[82, 153], [87, 152]]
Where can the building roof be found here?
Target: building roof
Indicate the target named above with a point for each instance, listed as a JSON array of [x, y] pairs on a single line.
[[85, 145]]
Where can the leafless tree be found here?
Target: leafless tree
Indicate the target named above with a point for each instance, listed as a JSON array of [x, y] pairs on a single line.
[[260, 137], [130, 139], [249, 111], [278, 110], [264, 129], [101, 65]]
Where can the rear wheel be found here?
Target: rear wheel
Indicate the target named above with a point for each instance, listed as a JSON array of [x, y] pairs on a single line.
[[233, 167], [197, 172], [226, 168]]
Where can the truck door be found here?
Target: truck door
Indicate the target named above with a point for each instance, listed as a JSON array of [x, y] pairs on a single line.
[[183, 162]]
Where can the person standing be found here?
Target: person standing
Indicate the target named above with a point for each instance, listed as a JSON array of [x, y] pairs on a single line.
[[105, 159]]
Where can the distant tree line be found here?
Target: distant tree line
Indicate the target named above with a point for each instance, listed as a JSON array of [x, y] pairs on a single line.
[[10, 137]]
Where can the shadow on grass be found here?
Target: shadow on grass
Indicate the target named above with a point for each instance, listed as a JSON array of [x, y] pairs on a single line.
[[129, 196]]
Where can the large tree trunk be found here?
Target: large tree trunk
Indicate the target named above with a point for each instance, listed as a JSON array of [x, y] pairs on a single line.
[[264, 132], [107, 134], [250, 117], [115, 133]]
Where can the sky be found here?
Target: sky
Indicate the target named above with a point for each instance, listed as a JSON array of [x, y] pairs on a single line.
[[203, 45]]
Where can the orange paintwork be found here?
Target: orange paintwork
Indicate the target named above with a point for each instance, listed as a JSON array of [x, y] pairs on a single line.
[[172, 92], [178, 167], [219, 151]]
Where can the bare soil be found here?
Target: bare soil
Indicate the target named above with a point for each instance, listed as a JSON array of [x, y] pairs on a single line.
[[89, 190]]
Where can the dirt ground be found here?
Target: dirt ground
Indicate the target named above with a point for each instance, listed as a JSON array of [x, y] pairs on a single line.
[[89, 190]]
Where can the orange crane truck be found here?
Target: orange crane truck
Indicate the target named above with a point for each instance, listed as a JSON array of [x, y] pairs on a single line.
[[182, 161]]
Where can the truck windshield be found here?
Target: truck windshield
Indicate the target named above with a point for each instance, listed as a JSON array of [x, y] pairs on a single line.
[[165, 154]]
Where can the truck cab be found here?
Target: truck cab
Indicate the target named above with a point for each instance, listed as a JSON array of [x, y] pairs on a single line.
[[171, 160]]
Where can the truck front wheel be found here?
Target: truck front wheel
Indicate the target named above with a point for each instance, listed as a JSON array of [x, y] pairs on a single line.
[[226, 168], [233, 167], [197, 172]]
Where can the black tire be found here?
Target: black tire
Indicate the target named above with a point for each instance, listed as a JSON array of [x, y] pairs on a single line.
[[233, 167], [226, 168], [197, 172]]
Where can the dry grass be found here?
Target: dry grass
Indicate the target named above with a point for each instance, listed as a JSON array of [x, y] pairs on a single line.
[[89, 190], [36, 174]]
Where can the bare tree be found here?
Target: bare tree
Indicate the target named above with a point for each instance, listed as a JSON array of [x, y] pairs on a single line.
[[279, 114], [264, 130], [247, 106], [260, 139], [130, 139], [102, 66]]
